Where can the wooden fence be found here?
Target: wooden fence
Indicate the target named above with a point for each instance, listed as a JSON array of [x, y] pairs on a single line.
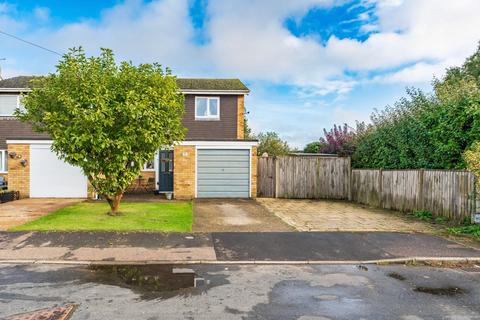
[[304, 177], [442, 192]]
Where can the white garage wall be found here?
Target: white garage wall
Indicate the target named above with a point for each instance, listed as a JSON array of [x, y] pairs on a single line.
[[51, 177]]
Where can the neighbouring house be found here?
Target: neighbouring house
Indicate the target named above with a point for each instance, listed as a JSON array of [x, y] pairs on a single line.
[[214, 161]]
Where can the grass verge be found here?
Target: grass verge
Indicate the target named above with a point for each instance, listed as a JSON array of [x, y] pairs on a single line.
[[458, 229], [140, 216]]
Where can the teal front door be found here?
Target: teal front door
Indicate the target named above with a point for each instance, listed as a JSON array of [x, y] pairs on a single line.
[[165, 173]]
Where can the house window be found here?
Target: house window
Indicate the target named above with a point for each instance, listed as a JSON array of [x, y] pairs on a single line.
[[207, 108], [149, 165], [3, 160], [8, 104]]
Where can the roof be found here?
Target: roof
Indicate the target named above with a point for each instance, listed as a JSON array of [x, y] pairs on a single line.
[[20, 82], [185, 84]]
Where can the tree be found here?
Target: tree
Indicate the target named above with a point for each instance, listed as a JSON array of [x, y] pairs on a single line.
[[247, 131], [271, 143], [472, 158], [427, 130], [313, 147], [339, 140], [106, 118]]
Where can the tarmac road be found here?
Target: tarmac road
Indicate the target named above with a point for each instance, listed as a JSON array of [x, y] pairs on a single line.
[[243, 291]]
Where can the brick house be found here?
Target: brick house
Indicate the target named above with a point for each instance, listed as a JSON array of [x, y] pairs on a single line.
[[214, 161]]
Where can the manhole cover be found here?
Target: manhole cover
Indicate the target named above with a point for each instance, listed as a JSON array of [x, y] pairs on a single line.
[[54, 313]]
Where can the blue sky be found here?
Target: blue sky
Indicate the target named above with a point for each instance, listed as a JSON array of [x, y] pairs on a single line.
[[309, 63]]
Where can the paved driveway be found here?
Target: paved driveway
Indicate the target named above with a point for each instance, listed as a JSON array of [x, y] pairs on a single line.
[[231, 215], [18, 212], [327, 215]]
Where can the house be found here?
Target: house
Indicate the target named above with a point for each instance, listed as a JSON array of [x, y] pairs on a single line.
[[214, 161]]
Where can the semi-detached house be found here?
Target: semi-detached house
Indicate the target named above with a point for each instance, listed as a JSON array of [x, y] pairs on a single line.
[[214, 161]]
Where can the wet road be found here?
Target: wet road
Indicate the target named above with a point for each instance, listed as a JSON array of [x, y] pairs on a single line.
[[244, 292]]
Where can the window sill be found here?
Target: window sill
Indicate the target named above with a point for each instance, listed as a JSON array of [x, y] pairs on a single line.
[[207, 119]]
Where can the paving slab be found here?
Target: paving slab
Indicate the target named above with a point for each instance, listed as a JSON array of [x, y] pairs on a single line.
[[333, 246], [336, 215]]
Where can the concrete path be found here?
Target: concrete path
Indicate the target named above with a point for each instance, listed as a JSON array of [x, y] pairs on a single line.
[[247, 292], [21, 211], [234, 215], [302, 247], [105, 246], [331, 215]]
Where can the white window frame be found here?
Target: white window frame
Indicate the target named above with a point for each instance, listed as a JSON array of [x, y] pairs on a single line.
[[3, 161], [149, 169], [18, 103], [208, 116]]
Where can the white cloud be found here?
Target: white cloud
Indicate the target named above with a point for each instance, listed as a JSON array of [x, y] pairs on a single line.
[[248, 39], [42, 14]]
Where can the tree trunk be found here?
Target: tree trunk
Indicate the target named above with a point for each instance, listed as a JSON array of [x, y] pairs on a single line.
[[114, 203]]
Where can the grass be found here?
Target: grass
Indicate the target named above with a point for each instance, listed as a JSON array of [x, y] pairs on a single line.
[[472, 230], [464, 228], [140, 216]]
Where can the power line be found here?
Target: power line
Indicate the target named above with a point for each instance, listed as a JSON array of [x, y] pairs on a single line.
[[30, 43]]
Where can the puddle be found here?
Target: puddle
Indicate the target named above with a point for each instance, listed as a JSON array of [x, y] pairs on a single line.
[[447, 291], [397, 276], [150, 281]]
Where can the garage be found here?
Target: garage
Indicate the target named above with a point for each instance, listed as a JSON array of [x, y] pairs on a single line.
[[51, 177], [223, 173]]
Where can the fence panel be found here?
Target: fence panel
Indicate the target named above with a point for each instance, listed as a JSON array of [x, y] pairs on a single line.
[[365, 186], [442, 192], [305, 177], [266, 177]]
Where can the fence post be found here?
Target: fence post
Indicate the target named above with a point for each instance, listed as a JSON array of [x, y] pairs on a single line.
[[380, 188], [277, 174], [420, 190]]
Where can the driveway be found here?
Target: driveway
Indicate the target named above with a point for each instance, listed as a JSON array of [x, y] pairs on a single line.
[[328, 215], [233, 215], [18, 212]]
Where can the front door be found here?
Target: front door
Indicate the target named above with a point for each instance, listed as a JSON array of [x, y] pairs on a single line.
[[165, 173]]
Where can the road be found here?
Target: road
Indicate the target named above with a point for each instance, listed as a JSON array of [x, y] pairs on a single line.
[[244, 292]]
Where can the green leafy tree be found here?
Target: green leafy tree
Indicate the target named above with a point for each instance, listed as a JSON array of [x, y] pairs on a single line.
[[312, 147], [247, 131], [426, 130], [271, 143], [472, 159], [106, 118]]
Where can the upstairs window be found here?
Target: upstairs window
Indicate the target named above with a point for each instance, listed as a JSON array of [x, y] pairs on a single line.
[[8, 104], [3, 160], [207, 108]]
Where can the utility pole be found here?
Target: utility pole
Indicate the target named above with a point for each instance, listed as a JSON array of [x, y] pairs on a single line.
[[1, 59]]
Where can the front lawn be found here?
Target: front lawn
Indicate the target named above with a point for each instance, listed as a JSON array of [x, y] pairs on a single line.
[[142, 216]]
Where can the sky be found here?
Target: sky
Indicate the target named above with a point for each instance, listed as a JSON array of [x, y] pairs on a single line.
[[310, 64]]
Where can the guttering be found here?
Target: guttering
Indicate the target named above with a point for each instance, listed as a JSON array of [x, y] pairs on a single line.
[[232, 143], [186, 91], [222, 92], [15, 89], [220, 144], [29, 141]]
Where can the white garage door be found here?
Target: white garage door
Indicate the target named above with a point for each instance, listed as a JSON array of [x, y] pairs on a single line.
[[51, 177], [223, 173]]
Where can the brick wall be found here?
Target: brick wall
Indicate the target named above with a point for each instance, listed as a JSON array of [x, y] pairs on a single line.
[[240, 117], [253, 174], [184, 172], [18, 175]]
